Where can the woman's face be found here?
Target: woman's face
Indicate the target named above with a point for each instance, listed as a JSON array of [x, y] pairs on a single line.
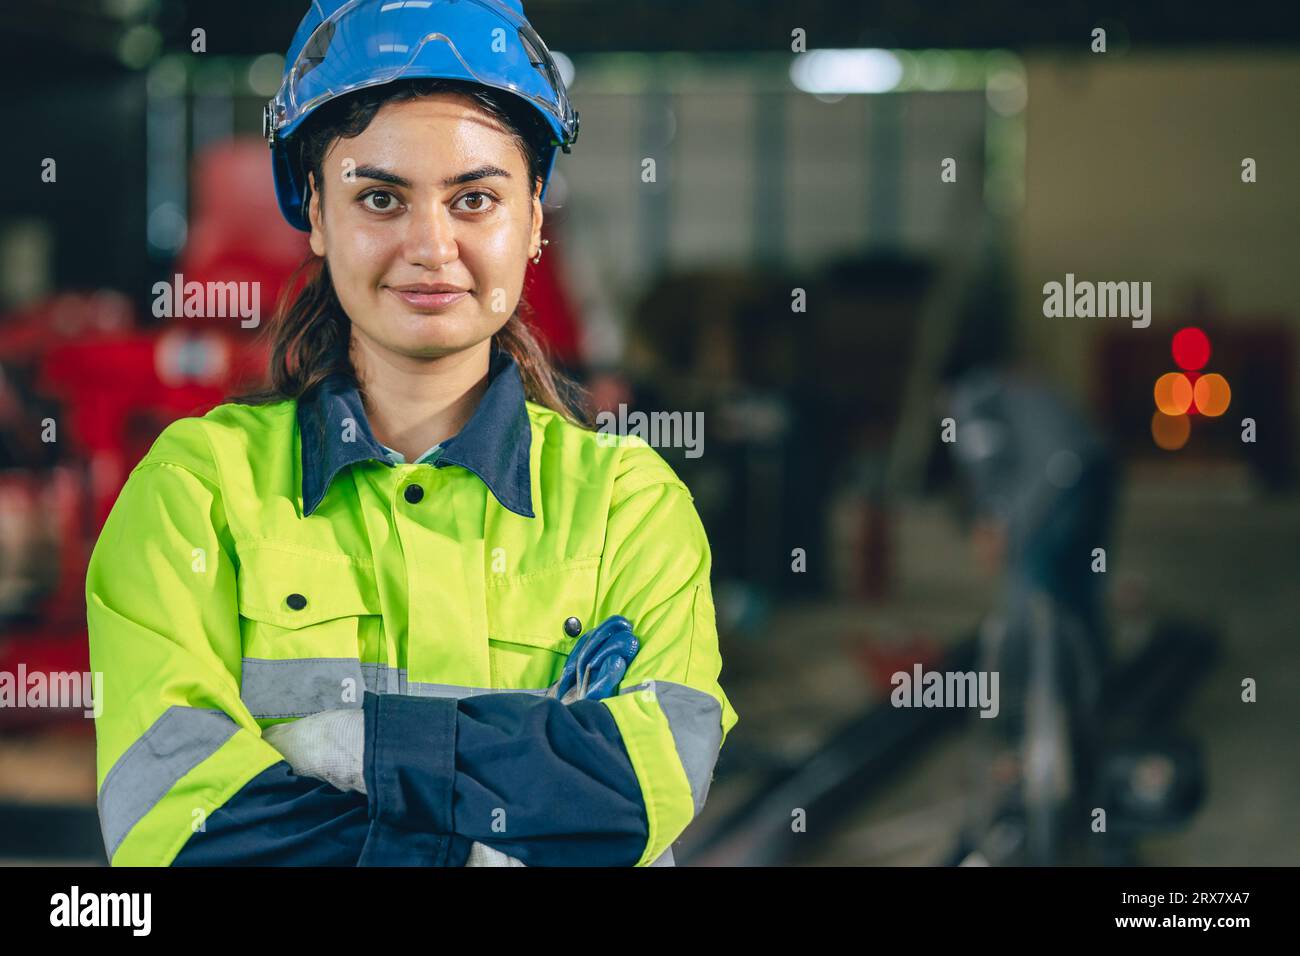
[[433, 192]]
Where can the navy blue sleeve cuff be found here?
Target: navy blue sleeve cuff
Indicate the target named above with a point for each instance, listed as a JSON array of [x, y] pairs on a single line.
[[550, 784], [409, 760]]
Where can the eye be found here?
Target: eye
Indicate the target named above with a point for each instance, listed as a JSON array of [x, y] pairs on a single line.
[[485, 201], [388, 200]]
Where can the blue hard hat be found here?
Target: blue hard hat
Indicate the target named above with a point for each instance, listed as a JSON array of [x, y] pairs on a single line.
[[346, 45]]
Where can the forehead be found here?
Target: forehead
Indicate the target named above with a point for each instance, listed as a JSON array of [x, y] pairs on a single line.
[[429, 135]]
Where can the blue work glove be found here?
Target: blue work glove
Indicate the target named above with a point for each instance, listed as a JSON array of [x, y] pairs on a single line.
[[597, 662]]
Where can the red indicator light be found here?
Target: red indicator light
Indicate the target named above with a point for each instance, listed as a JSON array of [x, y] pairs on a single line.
[[1191, 349]]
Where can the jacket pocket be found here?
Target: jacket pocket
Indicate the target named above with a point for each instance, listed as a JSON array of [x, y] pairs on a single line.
[[527, 641], [308, 621]]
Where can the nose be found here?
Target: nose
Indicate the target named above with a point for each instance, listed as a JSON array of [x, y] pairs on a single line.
[[430, 236]]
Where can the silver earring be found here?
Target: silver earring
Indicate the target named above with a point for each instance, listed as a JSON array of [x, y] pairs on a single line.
[[538, 258]]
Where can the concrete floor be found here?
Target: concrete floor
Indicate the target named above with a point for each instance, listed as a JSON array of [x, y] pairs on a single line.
[[1233, 559]]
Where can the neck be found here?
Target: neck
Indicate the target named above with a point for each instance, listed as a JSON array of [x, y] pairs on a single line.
[[414, 404]]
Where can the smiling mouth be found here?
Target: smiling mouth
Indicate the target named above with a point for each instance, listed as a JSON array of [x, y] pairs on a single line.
[[428, 301]]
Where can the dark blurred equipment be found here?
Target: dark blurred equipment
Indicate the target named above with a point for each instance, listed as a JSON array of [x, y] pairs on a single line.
[[798, 393], [1148, 778], [1151, 781], [1042, 484], [853, 764], [1043, 475], [1153, 787], [1154, 776], [1042, 481], [716, 346]]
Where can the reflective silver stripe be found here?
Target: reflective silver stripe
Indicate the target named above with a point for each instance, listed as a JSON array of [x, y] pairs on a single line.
[[179, 740], [695, 719], [303, 686], [665, 858], [382, 679]]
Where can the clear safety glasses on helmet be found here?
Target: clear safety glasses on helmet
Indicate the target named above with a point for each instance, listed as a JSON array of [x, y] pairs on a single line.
[[369, 42]]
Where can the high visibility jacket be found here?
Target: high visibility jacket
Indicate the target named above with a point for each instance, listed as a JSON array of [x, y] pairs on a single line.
[[267, 562]]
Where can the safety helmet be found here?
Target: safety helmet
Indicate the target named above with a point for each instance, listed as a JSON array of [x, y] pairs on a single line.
[[346, 45]]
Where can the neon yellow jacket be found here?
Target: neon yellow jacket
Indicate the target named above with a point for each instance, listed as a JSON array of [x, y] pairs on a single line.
[[266, 562]]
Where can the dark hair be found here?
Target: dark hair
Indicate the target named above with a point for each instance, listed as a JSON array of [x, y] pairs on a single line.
[[310, 333]]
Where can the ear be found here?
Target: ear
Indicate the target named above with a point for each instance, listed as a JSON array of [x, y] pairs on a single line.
[[314, 217], [535, 240]]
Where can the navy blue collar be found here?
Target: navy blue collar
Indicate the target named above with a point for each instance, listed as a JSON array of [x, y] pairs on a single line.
[[494, 444]]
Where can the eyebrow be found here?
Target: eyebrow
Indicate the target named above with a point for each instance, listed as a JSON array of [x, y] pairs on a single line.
[[386, 176]]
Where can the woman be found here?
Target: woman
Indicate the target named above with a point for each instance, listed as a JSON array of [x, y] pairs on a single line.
[[342, 623]]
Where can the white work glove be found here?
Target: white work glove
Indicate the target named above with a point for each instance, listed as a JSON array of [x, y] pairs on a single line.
[[330, 746], [480, 854]]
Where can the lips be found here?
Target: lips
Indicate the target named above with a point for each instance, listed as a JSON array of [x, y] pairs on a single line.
[[429, 298], [429, 288]]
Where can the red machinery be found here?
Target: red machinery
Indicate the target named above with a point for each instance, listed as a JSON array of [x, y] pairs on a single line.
[[106, 387]]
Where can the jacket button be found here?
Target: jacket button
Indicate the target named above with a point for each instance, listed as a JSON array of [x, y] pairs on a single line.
[[572, 627], [296, 601], [413, 494]]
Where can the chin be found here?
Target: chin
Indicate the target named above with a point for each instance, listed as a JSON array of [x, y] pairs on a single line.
[[428, 348], [433, 346], [431, 335]]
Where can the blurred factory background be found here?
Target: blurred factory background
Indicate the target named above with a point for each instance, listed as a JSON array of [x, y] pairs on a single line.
[[835, 242]]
